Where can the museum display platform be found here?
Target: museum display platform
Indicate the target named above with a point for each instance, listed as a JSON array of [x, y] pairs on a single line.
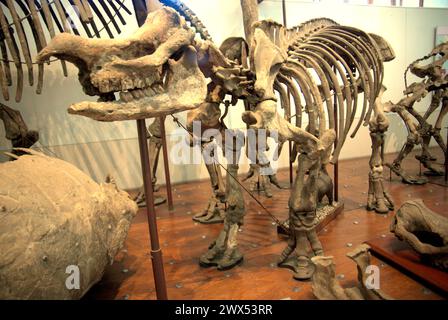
[[258, 277]]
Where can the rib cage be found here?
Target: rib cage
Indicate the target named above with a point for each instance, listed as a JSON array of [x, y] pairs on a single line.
[[346, 62], [45, 19]]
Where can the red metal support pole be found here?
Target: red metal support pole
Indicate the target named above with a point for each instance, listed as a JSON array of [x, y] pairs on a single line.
[[156, 251], [166, 164]]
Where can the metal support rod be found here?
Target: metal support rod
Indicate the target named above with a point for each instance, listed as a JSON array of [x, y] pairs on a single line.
[[383, 144], [284, 12], [446, 158], [336, 165], [156, 251], [166, 164], [336, 180], [291, 163]]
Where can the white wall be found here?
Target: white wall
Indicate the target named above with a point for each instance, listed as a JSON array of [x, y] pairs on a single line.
[[102, 148]]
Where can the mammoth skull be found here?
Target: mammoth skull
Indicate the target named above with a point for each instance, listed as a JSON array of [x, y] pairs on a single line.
[[425, 230], [153, 72]]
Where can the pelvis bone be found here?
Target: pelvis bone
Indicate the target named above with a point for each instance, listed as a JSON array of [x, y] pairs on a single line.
[[425, 230], [151, 73]]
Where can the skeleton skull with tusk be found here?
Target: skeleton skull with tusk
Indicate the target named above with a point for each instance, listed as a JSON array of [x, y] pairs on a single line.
[[153, 72]]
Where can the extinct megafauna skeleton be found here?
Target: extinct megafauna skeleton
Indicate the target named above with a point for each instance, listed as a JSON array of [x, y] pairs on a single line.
[[279, 60], [420, 130], [163, 67], [332, 51]]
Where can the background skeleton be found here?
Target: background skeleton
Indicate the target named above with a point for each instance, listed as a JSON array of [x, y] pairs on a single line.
[[420, 130]]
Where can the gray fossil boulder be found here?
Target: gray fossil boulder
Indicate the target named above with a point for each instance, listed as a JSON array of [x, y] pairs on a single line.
[[54, 221]]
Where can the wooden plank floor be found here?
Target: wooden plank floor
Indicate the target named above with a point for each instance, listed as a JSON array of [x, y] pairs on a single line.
[[183, 241]]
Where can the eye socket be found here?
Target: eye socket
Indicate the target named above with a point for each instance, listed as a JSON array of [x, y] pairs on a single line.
[[177, 55]]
